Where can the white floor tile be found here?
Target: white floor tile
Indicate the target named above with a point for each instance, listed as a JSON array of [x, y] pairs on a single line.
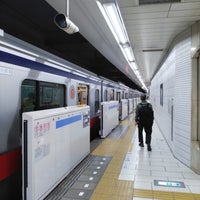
[[143, 185], [195, 189], [144, 167]]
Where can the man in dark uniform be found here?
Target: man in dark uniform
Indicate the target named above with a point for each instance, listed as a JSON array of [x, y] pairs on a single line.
[[144, 119]]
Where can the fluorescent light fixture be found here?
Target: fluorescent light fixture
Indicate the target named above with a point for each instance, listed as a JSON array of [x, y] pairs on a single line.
[[129, 54], [133, 66], [116, 21], [112, 15]]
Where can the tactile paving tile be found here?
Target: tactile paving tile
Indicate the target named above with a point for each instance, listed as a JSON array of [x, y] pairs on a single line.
[[82, 181], [86, 184], [77, 194]]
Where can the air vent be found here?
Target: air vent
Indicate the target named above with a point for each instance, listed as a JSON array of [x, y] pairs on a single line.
[[143, 2]]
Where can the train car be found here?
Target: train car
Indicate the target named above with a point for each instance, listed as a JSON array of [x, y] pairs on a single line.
[[32, 79]]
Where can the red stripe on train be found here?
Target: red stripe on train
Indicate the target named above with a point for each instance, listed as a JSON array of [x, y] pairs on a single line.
[[9, 163]]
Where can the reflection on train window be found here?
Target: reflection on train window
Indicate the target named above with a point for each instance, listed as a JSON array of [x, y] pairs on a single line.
[[97, 103], [51, 95], [105, 95], [161, 94], [83, 94], [126, 95], [111, 94], [118, 96], [123, 95], [37, 95], [28, 95]]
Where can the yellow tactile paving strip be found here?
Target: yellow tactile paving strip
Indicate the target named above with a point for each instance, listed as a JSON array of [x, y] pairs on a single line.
[[110, 187]]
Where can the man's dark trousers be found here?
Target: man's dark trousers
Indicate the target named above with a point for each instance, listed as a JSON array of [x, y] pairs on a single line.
[[148, 131]]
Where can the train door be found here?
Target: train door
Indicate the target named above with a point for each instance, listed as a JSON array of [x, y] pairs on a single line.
[[172, 118], [112, 98], [120, 106], [83, 94], [95, 96], [198, 99], [105, 96], [118, 96]]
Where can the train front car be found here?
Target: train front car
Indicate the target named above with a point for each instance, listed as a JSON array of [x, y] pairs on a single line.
[[32, 80]]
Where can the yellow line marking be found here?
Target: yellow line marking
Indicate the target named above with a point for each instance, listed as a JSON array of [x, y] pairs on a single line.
[[130, 147], [111, 188]]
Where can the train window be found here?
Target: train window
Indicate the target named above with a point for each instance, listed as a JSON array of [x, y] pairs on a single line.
[[105, 95], [97, 103], [28, 96], [111, 94], [123, 95], [82, 94], [118, 96], [51, 95], [36, 95], [161, 94], [126, 95]]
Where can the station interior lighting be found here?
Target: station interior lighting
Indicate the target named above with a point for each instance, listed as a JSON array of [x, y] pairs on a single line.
[[112, 15]]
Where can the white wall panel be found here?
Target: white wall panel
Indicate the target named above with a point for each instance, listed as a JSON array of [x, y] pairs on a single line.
[[182, 108], [175, 75]]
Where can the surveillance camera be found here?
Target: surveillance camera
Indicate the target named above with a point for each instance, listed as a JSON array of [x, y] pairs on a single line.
[[65, 24]]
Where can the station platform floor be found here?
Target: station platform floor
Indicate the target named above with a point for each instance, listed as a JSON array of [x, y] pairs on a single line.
[[118, 169]]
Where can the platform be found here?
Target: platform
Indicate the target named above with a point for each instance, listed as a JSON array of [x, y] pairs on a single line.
[[119, 169]]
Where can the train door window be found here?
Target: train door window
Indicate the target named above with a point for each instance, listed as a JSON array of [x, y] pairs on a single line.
[[28, 95], [123, 95], [198, 98], [161, 94], [105, 95], [126, 95], [83, 94], [111, 94], [97, 102], [118, 96], [51, 95]]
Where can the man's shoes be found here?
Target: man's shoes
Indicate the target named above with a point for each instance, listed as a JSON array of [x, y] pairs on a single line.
[[141, 144], [149, 147]]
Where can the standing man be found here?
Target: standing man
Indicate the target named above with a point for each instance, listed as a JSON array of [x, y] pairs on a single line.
[[144, 119]]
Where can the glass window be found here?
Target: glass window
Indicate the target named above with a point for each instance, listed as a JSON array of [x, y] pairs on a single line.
[[96, 100], [36, 95], [28, 95], [161, 94], [105, 95], [118, 96], [51, 95], [111, 94]]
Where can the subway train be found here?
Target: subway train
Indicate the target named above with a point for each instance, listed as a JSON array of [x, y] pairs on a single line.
[[32, 79]]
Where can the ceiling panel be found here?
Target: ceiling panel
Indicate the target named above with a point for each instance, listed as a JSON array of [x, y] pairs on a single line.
[[150, 28]]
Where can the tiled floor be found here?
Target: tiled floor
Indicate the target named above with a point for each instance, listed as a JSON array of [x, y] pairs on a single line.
[[130, 172], [139, 168]]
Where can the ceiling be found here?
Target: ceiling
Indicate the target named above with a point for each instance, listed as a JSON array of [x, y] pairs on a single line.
[[151, 26]]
